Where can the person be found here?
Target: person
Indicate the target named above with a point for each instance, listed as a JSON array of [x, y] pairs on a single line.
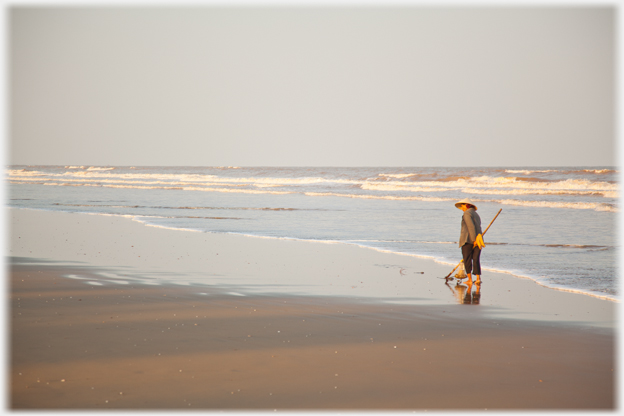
[[471, 240]]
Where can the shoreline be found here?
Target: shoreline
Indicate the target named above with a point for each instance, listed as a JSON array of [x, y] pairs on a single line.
[[152, 255], [106, 313], [536, 280]]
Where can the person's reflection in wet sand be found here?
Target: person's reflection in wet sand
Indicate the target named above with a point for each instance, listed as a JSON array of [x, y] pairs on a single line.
[[468, 295], [464, 293], [476, 296]]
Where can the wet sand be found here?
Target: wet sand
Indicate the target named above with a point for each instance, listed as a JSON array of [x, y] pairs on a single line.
[[83, 337]]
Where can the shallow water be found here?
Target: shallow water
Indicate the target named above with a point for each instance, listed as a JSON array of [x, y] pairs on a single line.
[[557, 225]]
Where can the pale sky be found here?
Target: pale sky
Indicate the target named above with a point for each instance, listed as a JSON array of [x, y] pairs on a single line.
[[294, 86]]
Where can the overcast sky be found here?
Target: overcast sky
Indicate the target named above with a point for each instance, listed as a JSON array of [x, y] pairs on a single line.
[[354, 86]]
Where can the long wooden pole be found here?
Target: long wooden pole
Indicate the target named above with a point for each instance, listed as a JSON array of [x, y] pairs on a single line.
[[491, 222], [488, 227]]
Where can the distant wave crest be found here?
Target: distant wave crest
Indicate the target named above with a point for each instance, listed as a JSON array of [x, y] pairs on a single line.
[[575, 193]]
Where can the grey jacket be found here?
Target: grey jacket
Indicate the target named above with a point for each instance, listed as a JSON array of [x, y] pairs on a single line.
[[470, 227]]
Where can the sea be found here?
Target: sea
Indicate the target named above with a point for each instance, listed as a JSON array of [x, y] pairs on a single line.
[[558, 225]]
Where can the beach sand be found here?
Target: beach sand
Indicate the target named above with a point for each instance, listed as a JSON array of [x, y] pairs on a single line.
[[106, 313]]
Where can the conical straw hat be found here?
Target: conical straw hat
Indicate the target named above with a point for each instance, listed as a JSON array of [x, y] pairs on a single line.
[[466, 201]]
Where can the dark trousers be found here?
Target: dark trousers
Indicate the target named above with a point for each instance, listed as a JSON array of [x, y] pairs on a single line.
[[472, 256]]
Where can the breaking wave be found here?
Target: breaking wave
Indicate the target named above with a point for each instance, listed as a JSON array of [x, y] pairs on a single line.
[[573, 187]]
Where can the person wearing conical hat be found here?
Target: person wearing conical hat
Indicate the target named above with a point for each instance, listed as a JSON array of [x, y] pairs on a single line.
[[471, 239]]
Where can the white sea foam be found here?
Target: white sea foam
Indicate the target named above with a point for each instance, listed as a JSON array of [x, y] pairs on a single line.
[[99, 168], [398, 175], [528, 172], [514, 183], [419, 186], [145, 222], [553, 204], [545, 283], [23, 172], [604, 194], [491, 182], [532, 171], [75, 276], [600, 170], [176, 179], [481, 186], [121, 182]]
